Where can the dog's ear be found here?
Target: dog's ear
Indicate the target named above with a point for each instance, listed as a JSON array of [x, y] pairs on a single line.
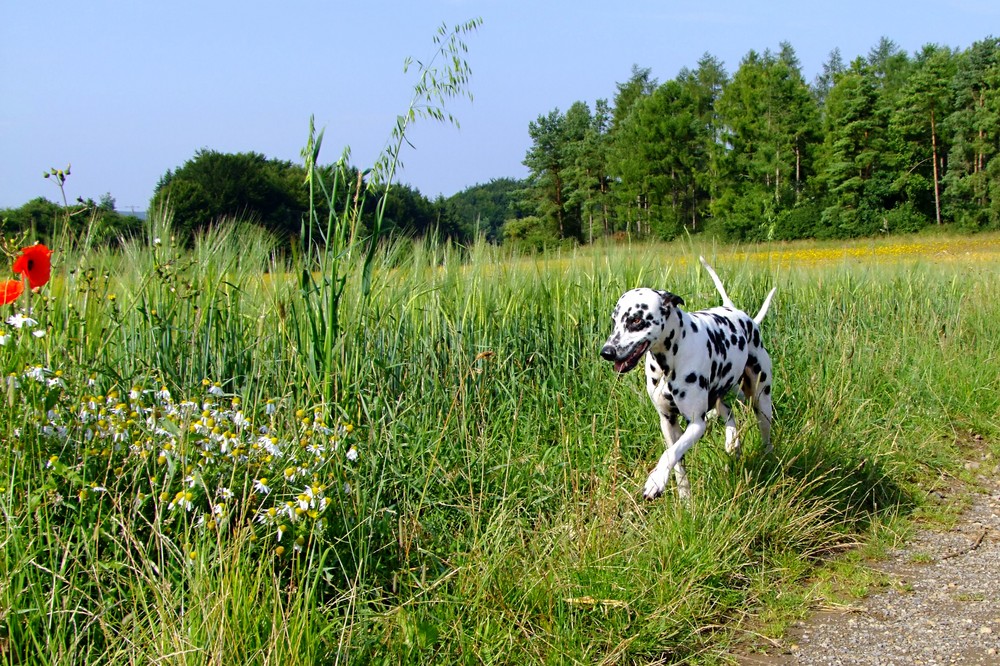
[[671, 298]]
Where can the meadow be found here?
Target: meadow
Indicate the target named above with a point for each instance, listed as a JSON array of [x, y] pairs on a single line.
[[414, 454]]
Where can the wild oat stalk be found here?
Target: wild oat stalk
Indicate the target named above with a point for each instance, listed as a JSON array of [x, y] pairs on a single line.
[[330, 254]]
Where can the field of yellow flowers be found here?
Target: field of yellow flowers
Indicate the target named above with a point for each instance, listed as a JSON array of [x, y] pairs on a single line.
[[915, 249]]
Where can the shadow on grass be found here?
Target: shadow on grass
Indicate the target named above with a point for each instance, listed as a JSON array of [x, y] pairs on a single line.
[[855, 488]]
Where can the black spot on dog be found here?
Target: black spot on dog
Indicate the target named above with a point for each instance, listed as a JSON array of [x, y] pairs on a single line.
[[718, 342], [702, 382], [637, 321], [691, 378], [694, 327], [767, 390]]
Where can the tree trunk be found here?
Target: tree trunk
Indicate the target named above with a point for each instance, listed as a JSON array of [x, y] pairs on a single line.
[[559, 205], [777, 177], [937, 186], [798, 169]]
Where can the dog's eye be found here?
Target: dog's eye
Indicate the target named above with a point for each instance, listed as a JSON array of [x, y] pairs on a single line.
[[635, 322]]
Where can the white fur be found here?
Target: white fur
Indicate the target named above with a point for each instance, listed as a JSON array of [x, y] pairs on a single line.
[[692, 361]]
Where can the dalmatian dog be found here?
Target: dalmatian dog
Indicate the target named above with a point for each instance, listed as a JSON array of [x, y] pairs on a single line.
[[693, 360]]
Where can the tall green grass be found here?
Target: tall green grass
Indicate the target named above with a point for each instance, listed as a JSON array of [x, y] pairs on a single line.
[[493, 513]]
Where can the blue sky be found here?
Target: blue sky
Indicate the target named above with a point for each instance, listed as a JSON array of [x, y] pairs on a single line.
[[125, 90]]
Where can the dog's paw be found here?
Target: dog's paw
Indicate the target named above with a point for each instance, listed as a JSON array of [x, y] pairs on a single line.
[[655, 484]]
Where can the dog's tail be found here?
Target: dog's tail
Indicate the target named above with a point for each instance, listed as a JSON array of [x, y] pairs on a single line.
[[728, 302], [763, 309]]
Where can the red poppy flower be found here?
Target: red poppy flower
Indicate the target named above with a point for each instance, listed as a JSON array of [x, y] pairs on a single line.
[[34, 263], [10, 291]]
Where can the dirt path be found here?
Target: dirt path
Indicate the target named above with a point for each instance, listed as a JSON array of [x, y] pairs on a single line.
[[942, 607]]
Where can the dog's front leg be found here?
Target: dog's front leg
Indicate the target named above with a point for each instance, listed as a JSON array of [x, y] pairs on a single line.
[[657, 480], [671, 433]]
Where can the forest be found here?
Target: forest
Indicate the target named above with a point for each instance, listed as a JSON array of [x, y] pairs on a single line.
[[889, 142], [886, 143]]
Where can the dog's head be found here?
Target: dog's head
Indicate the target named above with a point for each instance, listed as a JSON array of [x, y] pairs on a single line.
[[640, 319]]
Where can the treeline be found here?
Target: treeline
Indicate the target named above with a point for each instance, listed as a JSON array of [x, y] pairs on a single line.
[[45, 220], [886, 143], [213, 187], [272, 193]]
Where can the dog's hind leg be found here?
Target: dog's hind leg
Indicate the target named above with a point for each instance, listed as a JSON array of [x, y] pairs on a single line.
[[765, 413], [757, 385], [733, 445]]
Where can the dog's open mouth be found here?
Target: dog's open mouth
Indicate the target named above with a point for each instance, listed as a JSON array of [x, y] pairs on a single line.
[[632, 359]]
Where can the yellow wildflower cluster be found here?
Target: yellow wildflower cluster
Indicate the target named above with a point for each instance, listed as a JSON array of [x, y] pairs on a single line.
[[881, 251]]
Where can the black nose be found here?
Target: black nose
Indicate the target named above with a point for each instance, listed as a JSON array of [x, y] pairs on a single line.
[[608, 353]]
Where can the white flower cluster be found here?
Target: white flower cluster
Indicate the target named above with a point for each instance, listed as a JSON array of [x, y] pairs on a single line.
[[203, 460]]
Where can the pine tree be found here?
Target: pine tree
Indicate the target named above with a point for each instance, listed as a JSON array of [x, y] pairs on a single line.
[[852, 167], [923, 102], [972, 184], [771, 123]]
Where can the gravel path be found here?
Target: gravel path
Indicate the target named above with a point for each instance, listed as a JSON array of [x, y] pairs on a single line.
[[943, 606]]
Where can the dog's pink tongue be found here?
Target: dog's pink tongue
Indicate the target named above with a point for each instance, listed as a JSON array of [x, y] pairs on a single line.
[[620, 366]]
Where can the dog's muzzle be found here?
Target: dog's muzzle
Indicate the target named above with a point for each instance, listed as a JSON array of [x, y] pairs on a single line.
[[624, 363]]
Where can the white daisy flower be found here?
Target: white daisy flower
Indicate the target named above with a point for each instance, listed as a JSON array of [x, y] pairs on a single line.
[[19, 320], [37, 373]]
